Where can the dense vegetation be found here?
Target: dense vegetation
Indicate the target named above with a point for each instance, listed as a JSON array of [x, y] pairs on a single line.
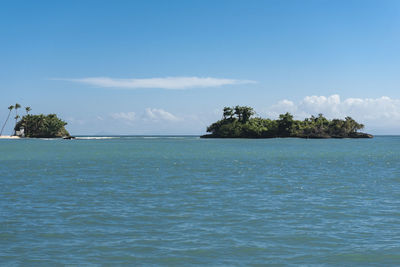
[[43, 126], [237, 122]]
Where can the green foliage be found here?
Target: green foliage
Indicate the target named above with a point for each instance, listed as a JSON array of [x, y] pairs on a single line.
[[237, 123], [243, 113], [228, 112], [286, 124], [44, 126]]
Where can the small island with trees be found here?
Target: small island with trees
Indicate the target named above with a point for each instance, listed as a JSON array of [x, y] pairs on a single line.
[[36, 126], [237, 122]]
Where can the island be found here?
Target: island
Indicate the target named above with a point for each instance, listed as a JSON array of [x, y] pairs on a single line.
[[237, 122], [42, 126], [35, 126]]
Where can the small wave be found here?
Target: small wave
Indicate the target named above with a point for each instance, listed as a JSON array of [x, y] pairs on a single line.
[[95, 137], [167, 137], [161, 137]]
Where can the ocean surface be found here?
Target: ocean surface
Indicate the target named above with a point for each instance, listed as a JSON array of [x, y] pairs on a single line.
[[190, 201]]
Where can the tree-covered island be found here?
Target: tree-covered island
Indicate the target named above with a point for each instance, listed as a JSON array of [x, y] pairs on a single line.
[[42, 126], [237, 122], [36, 126]]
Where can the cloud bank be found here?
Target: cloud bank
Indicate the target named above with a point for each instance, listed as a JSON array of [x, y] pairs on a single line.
[[149, 114], [169, 83], [159, 114], [130, 116], [378, 113]]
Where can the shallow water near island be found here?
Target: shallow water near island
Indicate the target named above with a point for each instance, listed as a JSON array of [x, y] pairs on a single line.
[[185, 200]]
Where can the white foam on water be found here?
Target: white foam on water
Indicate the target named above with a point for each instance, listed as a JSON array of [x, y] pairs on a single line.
[[166, 137], [95, 137]]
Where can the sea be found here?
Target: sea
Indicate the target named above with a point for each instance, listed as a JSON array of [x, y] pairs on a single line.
[[182, 200]]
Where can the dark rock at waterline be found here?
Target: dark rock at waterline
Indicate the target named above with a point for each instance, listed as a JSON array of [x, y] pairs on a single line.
[[69, 137], [360, 135]]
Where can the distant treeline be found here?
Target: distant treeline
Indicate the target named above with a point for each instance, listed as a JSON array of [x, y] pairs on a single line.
[[237, 122]]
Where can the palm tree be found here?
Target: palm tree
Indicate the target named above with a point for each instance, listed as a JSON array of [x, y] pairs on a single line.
[[9, 108], [16, 119], [27, 109], [17, 106]]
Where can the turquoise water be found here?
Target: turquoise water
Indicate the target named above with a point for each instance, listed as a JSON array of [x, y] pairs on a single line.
[[183, 201]]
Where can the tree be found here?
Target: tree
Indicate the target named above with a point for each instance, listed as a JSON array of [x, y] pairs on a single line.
[[351, 125], [228, 112], [17, 106], [243, 113], [10, 108], [16, 129], [27, 109], [285, 124], [238, 112], [336, 128], [247, 112], [321, 124]]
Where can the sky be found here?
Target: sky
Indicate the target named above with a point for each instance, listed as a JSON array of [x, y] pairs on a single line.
[[169, 67]]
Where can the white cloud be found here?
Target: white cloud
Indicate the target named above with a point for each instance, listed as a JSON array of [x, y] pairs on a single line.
[[282, 106], [130, 116], [171, 83], [382, 112], [149, 114], [159, 114]]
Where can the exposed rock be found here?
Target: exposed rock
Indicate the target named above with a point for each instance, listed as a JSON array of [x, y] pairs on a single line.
[[69, 137], [360, 135]]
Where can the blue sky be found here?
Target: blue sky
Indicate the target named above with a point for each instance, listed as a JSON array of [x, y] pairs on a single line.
[[168, 67]]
